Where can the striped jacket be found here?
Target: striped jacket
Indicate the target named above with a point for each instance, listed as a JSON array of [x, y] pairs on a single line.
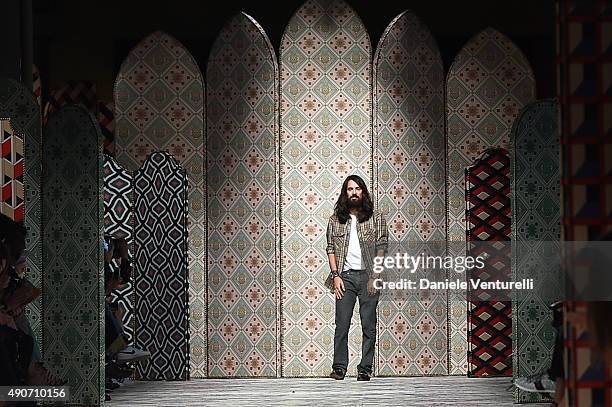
[[372, 233]]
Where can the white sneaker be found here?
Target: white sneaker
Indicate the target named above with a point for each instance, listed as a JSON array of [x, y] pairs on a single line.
[[539, 383], [132, 354]]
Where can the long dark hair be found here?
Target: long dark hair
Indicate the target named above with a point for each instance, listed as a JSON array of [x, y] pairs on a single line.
[[341, 210]]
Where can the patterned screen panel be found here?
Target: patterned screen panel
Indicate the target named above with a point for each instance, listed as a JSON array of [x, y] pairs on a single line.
[[410, 187], [11, 172], [106, 118], [73, 254], [487, 85], [22, 113], [159, 106], [160, 268], [325, 71], [537, 209], [488, 209], [119, 223], [585, 90], [242, 118], [80, 92]]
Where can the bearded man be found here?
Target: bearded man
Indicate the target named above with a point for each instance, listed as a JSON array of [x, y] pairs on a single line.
[[355, 234]]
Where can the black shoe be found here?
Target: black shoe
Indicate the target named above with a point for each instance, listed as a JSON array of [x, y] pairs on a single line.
[[363, 377], [114, 371], [112, 385], [337, 374]]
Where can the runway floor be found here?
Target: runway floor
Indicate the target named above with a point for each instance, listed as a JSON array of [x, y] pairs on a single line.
[[385, 391]]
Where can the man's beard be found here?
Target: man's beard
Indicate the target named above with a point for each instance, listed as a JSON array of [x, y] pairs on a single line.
[[355, 203]]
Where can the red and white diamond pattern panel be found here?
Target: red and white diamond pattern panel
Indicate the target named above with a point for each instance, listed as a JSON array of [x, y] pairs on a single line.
[[11, 172], [488, 215]]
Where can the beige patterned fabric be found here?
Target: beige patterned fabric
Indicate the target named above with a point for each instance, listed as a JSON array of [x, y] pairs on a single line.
[[325, 117], [373, 236]]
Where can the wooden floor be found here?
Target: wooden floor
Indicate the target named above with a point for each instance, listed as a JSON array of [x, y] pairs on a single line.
[[396, 391]]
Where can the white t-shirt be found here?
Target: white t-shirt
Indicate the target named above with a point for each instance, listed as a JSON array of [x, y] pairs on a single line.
[[353, 255]]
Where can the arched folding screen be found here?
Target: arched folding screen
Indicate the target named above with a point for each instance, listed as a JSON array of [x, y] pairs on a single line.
[[325, 71]]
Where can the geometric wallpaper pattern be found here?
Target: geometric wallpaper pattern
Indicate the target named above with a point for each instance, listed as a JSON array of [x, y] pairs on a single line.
[[159, 106], [11, 172], [537, 219], [73, 283], [242, 166], [106, 119], [118, 223], [584, 38], [80, 92], [488, 209], [488, 83], [266, 313], [410, 187], [19, 106], [325, 73], [160, 268]]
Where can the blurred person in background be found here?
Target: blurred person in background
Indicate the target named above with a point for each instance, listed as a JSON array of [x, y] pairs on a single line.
[[16, 295]]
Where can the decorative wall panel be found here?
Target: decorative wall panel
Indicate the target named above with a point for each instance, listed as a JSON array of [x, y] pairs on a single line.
[[488, 83], [19, 107], [159, 105], [160, 268], [488, 210], [325, 71], [585, 91], [119, 223], [242, 157], [106, 118], [11, 172], [79, 92], [410, 187], [537, 221], [73, 283]]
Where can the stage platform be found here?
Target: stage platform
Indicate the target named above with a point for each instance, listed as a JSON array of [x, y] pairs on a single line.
[[380, 391]]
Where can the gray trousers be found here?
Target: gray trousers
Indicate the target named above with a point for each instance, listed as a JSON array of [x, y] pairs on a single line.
[[355, 284]]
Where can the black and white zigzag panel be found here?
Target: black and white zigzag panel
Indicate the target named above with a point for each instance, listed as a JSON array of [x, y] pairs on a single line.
[[160, 268], [118, 222]]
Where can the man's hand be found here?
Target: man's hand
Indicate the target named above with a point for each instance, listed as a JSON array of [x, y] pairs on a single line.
[[371, 289], [339, 287]]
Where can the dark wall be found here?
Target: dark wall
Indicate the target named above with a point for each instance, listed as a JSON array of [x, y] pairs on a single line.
[[89, 40], [10, 38]]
